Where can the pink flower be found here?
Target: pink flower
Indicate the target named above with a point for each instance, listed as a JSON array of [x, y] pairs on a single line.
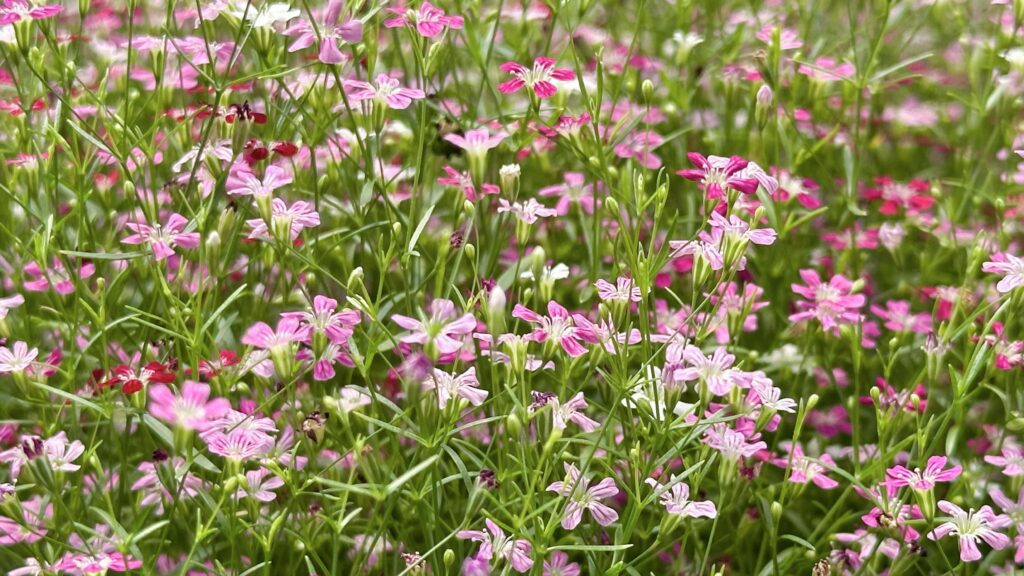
[[384, 90], [676, 501], [736, 229], [706, 248], [98, 563], [31, 527], [972, 527], [191, 409], [428, 20], [898, 318], [1011, 461], [258, 486], [624, 290], [826, 69], [559, 565], [239, 445], [323, 317], [162, 239], [329, 33], [16, 359], [572, 411], [640, 147], [732, 444], [803, 469], [449, 386], [582, 497], [243, 182], [557, 327], [55, 277], [285, 221], [1015, 510], [831, 304], [464, 182], [476, 142], [444, 329], [528, 212], [496, 544], [574, 189], [14, 10], [1010, 267], [923, 481], [538, 79], [715, 371], [717, 175], [9, 303], [289, 330], [788, 39]]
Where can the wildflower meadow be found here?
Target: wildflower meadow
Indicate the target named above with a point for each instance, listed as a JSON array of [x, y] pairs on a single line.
[[498, 287]]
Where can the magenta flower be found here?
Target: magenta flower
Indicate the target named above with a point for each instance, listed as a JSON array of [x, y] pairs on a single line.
[[582, 497], [556, 327], [497, 544], [923, 481], [572, 411], [386, 91], [831, 304], [676, 501], [1011, 461], [14, 10], [898, 318], [17, 358], [162, 238], [971, 527], [323, 317], [559, 565], [55, 277], [243, 182], [717, 175], [450, 386], [191, 409], [289, 330], [476, 142], [285, 221], [329, 33], [428, 20], [1010, 267], [538, 79], [444, 329]]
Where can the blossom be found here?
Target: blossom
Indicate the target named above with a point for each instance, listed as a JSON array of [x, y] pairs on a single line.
[[1015, 510], [285, 221], [559, 565], [571, 411], [265, 16], [788, 39], [732, 444], [323, 317], [162, 238], [497, 544], [132, 380], [443, 329], [428, 20], [239, 445], [1011, 461], [717, 175], [155, 493], [556, 327], [191, 409], [528, 212], [715, 371], [735, 228], [464, 182], [55, 277], [449, 386], [933, 473], [385, 90], [258, 486], [31, 527], [573, 189], [582, 497], [676, 500], [831, 303], [12, 11], [1010, 267], [538, 79], [804, 469], [9, 303], [243, 182], [289, 330], [476, 142], [971, 527], [17, 358], [624, 290], [706, 248], [329, 33], [61, 454], [898, 317]]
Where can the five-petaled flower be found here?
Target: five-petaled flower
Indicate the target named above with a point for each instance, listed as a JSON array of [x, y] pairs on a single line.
[[162, 238], [582, 496], [970, 527], [385, 90], [676, 500], [935, 471], [494, 543], [330, 33], [538, 79], [717, 175], [1010, 267], [428, 20]]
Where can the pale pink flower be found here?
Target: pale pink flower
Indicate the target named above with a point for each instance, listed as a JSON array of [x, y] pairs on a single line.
[[898, 318], [31, 527], [624, 290], [707, 248], [788, 39], [258, 486], [9, 303], [826, 69], [582, 497], [804, 469], [538, 79], [831, 303], [676, 500], [1010, 267], [449, 386], [385, 90], [573, 190], [428, 20], [1011, 461], [162, 239], [572, 411], [476, 142], [191, 409], [463, 181], [497, 544], [971, 527], [154, 493], [55, 277], [713, 371], [285, 221], [528, 212], [289, 330], [12, 11], [243, 182], [323, 317], [444, 328], [239, 445], [923, 481], [735, 228], [17, 358], [732, 444], [1015, 510], [559, 565]]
